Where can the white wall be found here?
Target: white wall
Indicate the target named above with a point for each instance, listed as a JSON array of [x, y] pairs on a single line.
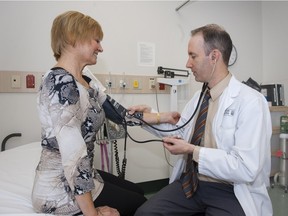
[[275, 46], [25, 46]]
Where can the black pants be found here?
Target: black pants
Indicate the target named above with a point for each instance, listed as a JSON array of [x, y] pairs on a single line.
[[210, 199], [123, 195]]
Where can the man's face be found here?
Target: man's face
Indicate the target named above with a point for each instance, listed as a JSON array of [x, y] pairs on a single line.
[[198, 62]]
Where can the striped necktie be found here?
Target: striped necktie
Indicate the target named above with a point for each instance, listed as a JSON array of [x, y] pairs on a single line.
[[190, 177]]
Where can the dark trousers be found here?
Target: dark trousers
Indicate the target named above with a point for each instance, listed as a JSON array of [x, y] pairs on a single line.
[[121, 194], [210, 199]]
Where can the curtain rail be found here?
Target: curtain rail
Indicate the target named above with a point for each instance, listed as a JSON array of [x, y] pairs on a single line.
[[178, 8]]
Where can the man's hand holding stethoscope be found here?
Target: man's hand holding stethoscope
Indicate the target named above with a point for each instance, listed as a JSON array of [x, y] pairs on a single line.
[[176, 145]]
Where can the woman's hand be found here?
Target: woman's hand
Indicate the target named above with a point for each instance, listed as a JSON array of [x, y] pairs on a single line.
[[107, 211], [87, 207], [155, 118], [175, 145]]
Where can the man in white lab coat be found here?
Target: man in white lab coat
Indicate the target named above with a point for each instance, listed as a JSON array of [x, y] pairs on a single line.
[[234, 158]]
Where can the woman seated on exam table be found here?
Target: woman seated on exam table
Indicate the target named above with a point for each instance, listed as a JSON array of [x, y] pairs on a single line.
[[71, 112]]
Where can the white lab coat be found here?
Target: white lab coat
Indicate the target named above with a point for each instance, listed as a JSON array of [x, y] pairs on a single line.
[[242, 130]]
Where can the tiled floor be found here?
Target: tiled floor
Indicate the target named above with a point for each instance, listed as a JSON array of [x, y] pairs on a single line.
[[279, 200]]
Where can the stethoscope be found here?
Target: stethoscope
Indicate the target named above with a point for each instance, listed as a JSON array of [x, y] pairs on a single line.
[[204, 87]]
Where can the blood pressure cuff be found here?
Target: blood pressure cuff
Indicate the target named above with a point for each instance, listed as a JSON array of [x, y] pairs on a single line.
[[114, 111]]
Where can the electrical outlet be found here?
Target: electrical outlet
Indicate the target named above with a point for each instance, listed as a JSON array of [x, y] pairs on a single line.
[[15, 81], [152, 83]]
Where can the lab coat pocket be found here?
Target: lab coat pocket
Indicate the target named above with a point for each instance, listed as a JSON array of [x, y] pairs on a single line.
[[227, 127], [228, 121]]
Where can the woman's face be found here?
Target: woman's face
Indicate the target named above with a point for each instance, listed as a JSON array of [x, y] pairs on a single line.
[[88, 51]]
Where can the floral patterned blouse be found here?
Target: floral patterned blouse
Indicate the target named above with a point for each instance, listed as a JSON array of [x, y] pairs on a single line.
[[70, 116]]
